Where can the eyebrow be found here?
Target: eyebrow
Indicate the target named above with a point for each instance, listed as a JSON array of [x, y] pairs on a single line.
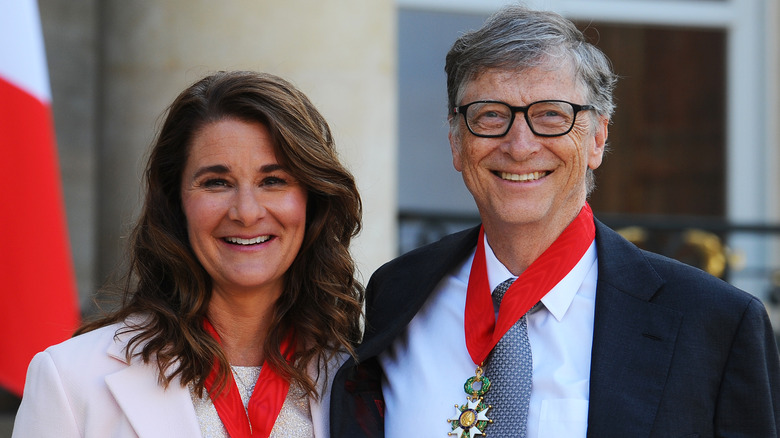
[[268, 168], [217, 168], [221, 169]]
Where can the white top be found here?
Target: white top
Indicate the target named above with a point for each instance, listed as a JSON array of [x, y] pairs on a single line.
[[294, 420], [426, 366]]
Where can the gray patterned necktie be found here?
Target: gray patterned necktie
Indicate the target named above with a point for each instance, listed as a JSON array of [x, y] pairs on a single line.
[[509, 369]]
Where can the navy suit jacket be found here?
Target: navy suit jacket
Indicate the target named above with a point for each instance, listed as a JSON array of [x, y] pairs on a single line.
[[676, 352]]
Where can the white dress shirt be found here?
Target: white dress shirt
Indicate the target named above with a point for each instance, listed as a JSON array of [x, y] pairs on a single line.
[[426, 367]]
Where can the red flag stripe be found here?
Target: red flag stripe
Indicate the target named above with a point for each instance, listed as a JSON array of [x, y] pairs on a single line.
[[36, 275]]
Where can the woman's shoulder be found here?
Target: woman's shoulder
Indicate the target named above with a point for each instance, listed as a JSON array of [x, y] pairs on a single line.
[[108, 341], [87, 342], [323, 369], [76, 382]]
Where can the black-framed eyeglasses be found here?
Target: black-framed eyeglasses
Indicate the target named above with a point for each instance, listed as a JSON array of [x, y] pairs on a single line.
[[546, 118]]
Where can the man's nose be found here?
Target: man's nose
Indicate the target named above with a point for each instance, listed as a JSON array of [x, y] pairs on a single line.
[[520, 141]]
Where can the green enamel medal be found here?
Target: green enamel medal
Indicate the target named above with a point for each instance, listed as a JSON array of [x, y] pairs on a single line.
[[471, 418]]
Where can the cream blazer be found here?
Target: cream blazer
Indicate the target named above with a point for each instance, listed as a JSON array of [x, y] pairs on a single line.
[[84, 387]]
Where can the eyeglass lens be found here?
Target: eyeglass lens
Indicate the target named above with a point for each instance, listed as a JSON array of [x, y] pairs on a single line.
[[545, 118]]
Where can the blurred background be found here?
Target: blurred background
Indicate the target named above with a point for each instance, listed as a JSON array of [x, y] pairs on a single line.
[[694, 160]]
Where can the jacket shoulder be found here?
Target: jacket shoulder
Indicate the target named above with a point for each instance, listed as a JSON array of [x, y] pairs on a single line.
[[442, 253], [86, 345], [624, 265], [398, 289]]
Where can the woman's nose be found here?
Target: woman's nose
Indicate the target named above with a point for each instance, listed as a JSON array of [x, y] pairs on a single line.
[[247, 207]]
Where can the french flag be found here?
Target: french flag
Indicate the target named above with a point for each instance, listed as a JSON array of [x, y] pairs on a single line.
[[38, 300]]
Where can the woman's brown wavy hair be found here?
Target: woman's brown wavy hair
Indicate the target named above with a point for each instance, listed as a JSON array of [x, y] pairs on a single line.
[[322, 300]]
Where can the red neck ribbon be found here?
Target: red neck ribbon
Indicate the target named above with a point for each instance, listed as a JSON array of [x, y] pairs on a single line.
[[264, 405], [482, 330]]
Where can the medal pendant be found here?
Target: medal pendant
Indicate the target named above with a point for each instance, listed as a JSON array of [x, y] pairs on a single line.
[[471, 418]]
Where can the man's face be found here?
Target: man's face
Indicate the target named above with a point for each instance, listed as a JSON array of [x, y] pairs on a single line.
[[521, 178]]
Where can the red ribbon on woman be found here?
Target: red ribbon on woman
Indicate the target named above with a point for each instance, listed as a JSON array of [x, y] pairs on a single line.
[[258, 419]]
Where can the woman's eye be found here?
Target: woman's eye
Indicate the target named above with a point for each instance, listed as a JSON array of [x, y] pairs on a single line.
[[215, 183], [273, 181]]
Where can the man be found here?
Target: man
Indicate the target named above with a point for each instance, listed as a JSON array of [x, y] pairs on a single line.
[[622, 343]]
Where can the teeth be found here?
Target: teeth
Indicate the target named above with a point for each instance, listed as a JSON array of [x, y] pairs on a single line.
[[252, 241], [525, 177]]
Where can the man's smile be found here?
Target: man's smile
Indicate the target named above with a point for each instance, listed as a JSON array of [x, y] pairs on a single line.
[[533, 176]]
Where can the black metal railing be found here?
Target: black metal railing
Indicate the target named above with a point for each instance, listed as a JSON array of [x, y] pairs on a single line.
[[699, 241]]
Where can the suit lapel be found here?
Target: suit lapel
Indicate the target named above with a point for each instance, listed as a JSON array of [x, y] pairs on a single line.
[[150, 410], [633, 341]]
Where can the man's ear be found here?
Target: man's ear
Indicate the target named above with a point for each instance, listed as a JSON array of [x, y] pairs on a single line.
[[457, 162], [596, 154]]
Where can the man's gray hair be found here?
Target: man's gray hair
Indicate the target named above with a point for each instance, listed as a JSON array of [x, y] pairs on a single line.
[[516, 38]]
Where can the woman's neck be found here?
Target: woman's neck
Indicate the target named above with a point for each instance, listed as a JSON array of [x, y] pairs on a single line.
[[242, 324]]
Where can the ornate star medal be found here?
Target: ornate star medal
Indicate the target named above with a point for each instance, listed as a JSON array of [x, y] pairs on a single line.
[[471, 418]]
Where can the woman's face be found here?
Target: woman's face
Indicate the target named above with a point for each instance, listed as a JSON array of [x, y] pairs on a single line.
[[246, 215]]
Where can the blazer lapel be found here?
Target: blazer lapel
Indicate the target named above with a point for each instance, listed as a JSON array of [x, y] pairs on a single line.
[[633, 341], [152, 411]]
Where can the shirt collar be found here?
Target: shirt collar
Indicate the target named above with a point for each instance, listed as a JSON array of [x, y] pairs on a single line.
[[559, 298]]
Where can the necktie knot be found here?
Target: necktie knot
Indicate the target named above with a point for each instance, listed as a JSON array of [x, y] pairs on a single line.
[[500, 290]]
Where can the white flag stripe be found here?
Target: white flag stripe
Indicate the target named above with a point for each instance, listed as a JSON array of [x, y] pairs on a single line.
[[22, 52]]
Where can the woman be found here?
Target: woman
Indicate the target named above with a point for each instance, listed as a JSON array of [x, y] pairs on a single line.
[[241, 282]]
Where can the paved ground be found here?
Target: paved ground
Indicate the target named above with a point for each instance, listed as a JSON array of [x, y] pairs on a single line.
[[6, 424], [8, 405]]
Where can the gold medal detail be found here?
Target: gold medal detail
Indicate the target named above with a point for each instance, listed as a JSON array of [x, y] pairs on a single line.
[[471, 418]]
